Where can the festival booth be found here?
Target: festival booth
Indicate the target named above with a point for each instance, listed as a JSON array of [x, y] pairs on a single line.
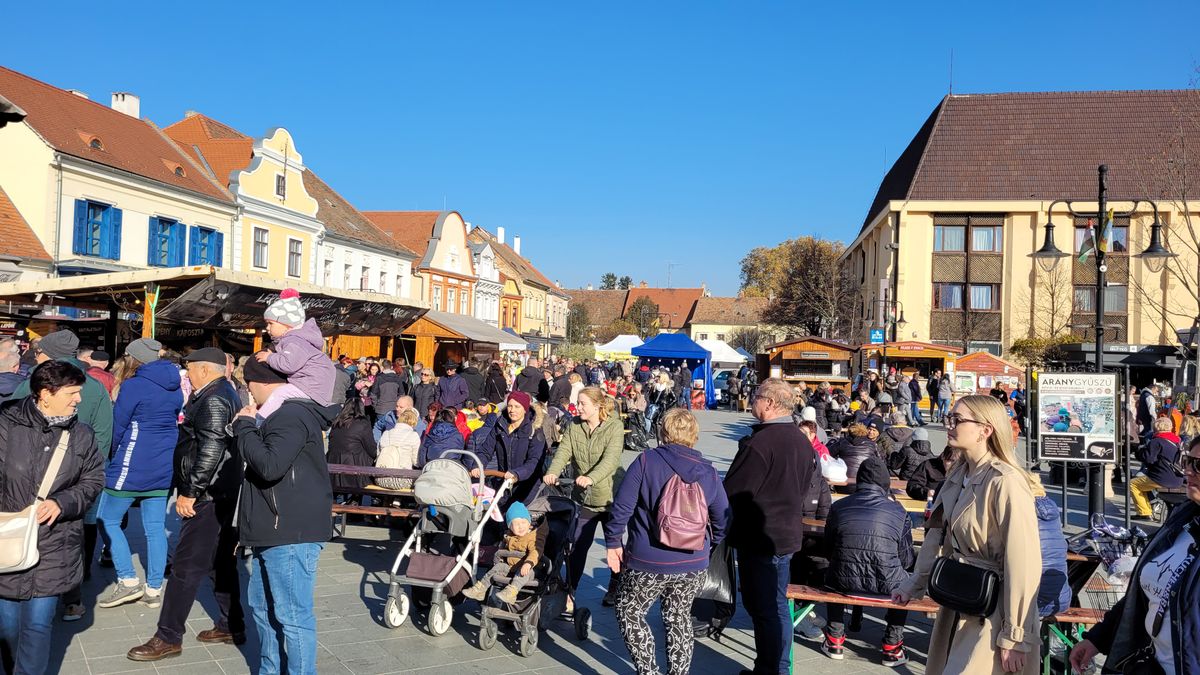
[[723, 356], [438, 337], [909, 357], [673, 349], [619, 348], [979, 372], [811, 360]]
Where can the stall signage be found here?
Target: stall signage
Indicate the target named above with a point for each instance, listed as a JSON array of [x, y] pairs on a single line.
[[814, 355], [911, 348], [877, 336], [1076, 416]]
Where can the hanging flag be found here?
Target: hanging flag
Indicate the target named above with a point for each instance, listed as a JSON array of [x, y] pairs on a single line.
[[1106, 233], [1089, 241]]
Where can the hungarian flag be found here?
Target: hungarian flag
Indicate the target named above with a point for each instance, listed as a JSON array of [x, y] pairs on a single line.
[[1089, 241]]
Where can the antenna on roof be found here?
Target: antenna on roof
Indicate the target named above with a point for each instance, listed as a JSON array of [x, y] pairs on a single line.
[[952, 71], [670, 265]]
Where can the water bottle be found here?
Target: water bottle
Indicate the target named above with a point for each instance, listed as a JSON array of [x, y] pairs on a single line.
[[929, 504]]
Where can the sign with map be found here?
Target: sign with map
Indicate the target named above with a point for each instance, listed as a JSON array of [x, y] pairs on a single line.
[[1077, 416]]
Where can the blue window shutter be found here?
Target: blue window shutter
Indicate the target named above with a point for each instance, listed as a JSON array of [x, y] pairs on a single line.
[[178, 245], [79, 235], [113, 249], [194, 246], [218, 248], [152, 243]]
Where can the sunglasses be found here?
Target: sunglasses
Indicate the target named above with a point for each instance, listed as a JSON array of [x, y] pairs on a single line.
[[1190, 463], [955, 420]]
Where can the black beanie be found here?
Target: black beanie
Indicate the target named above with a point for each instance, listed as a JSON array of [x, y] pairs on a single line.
[[254, 371], [874, 472]]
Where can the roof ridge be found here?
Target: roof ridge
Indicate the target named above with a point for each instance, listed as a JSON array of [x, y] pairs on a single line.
[[386, 236], [1082, 92], [188, 158], [86, 99]]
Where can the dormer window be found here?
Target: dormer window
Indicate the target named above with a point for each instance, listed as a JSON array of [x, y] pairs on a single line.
[[95, 144], [179, 171]]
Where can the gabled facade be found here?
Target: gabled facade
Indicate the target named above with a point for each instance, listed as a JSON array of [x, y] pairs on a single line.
[[488, 288], [533, 287], [718, 318], [444, 261], [103, 190], [511, 300]]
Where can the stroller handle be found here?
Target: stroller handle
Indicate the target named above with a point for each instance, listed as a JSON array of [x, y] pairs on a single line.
[[494, 474], [468, 454]]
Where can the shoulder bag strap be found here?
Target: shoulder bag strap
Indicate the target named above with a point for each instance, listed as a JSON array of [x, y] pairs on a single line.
[[56, 460]]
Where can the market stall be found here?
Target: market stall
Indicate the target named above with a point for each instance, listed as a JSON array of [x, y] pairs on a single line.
[[619, 348], [675, 349], [811, 360], [910, 357], [723, 356]]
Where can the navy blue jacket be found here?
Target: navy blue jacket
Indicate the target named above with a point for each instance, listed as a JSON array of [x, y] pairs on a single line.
[[520, 452], [868, 541], [1054, 593], [636, 500], [452, 392], [9, 383], [442, 436], [146, 429], [853, 450], [1159, 456]]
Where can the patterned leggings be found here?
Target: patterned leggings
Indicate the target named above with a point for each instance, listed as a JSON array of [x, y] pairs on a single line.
[[639, 590]]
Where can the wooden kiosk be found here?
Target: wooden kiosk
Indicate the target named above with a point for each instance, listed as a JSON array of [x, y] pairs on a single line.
[[811, 360]]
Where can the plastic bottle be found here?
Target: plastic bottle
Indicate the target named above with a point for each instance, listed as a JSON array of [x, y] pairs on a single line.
[[929, 504]]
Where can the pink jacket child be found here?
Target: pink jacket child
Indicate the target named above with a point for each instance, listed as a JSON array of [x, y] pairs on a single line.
[[298, 349]]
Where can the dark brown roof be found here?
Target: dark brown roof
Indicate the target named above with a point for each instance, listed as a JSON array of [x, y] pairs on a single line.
[[603, 307], [18, 240], [411, 229], [71, 123], [520, 265], [221, 148], [342, 219], [676, 303], [1046, 146], [731, 311]]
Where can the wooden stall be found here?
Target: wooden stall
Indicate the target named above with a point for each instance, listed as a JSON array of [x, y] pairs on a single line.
[[987, 371], [909, 357], [811, 360]]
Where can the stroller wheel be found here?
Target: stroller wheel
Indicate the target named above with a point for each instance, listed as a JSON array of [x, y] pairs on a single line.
[[488, 632], [529, 642], [395, 611], [583, 623], [440, 616]]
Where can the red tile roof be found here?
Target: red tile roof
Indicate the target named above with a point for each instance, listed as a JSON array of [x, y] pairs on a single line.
[[603, 307], [523, 267], [743, 311], [19, 239], [411, 229], [676, 303], [342, 219], [221, 148], [70, 123], [1046, 146]]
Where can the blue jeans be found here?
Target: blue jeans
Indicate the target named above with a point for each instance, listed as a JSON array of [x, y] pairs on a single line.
[[943, 408], [764, 581], [25, 629], [281, 601], [916, 414], [154, 515]]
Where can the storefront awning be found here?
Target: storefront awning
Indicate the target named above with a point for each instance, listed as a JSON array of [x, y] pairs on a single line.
[[475, 330], [215, 298]]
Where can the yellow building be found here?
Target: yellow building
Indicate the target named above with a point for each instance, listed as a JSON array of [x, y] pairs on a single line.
[[718, 319], [543, 317], [445, 267], [947, 240]]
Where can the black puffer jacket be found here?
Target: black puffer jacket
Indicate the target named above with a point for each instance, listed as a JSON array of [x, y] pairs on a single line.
[[26, 444], [819, 402], [904, 462], [474, 380], [868, 540], [929, 476], [894, 438], [495, 388], [207, 464], [853, 450]]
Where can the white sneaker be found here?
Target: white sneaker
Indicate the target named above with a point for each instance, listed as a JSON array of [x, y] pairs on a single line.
[[152, 597]]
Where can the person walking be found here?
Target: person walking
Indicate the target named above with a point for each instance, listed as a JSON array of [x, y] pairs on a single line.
[[475, 380], [284, 522], [512, 442], [766, 485], [39, 431], [592, 447], [649, 568], [495, 387], [532, 380], [944, 394], [918, 393], [1155, 627], [932, 387], [904, 400], [145, 432], [984, 514], [1160, 467], [208, 474]]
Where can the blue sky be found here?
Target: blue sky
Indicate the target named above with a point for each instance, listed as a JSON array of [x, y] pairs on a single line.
[[611, 136]]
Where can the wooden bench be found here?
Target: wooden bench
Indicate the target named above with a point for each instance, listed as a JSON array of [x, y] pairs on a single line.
[[340, 511], [1075, 620]]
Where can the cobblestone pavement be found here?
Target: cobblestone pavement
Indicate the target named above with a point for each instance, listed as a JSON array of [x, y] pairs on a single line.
[[352, 583]]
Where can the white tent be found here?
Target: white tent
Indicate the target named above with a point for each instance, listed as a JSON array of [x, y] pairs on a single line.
[[618, 347], [721, 352]]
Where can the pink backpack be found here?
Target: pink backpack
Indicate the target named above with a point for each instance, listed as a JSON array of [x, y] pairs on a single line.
[[681, 519]]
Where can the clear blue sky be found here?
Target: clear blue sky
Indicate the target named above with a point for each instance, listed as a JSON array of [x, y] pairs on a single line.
[[611, 136]]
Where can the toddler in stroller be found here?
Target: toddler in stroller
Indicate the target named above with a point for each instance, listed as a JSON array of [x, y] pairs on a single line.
[[518, 556]]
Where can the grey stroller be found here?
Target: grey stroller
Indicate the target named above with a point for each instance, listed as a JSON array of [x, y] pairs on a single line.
[[442, 553]]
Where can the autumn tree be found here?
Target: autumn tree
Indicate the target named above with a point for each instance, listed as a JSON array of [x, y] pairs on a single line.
[[579, 328], [749, 338], [625, 282], [643, 314], [608, 282], [617, 327], [811, 291]]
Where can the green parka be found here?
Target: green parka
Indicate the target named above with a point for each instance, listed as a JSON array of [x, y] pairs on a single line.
[[595, 454]]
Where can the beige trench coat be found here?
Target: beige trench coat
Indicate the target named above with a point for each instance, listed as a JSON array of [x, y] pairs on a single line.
[[994, 525]]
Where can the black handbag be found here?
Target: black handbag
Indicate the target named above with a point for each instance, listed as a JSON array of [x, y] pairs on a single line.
[[962, 587]]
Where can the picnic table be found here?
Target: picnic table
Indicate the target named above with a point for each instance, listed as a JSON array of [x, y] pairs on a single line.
[[816, 527], [340, 511]]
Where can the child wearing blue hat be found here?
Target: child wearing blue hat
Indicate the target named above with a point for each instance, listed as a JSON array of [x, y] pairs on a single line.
[[518, 554]]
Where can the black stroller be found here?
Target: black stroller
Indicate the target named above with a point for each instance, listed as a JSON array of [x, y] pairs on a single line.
[[540, 602]]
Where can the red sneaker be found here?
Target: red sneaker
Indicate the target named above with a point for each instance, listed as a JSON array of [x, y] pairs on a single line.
[[834, 647], [894, 655]]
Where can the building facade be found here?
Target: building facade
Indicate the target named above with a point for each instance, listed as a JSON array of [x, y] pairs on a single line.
[[488, 288], [443, 260], [543, 317], [947, 240], [719, 318]]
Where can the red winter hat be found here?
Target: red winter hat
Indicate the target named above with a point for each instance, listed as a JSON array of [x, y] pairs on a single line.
[[520, 397]]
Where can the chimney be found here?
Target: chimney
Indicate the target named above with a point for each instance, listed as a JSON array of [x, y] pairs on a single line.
[[123, 101], [589, 287], [517, 244], [500, 235], [468, 224], [643, 284], [78, 93], [190, 113], [703, 290]]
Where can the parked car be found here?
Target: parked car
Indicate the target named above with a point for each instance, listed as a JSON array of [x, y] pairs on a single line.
[[720, 382]]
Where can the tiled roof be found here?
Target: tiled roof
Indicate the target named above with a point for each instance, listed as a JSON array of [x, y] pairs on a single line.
[[676, 303], [221, 148], [731, 311], [1046, 146], [521, 265], [603, 307], [18, 240], [71, 123], [342, 219], [411, 229]]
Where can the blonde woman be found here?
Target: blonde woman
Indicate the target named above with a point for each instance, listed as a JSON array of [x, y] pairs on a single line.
[[122, 370], [592, 447], [398, 449], [987, 519], [576, 387]]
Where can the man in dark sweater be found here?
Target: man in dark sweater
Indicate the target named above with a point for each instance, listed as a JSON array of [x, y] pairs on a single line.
[[560, 391], [766, 485], [532, 380]]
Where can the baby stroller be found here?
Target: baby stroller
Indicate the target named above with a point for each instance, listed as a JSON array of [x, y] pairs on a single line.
[[442, 553], [546, 597]]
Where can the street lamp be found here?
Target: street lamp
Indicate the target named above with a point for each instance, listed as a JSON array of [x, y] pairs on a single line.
[[1155, 256], [891, 320]]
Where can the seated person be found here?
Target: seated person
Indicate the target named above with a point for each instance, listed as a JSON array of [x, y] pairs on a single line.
[[1054, 593], [929, 475], [443, 434], [869, 545], [905, 461], [1160, 461], [518, 556], [855, 447], [399, 448]]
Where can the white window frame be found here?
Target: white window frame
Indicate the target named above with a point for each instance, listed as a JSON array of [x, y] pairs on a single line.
[[254, 248], [288, 262]]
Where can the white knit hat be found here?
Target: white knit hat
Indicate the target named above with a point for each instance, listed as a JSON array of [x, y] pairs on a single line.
[[287, 309]]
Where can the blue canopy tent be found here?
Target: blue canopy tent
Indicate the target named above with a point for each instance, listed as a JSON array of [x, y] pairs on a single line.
[[748, 355], [672, 349]]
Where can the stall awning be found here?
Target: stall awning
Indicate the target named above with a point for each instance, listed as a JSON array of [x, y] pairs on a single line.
[[216, 298], [475, 330]]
